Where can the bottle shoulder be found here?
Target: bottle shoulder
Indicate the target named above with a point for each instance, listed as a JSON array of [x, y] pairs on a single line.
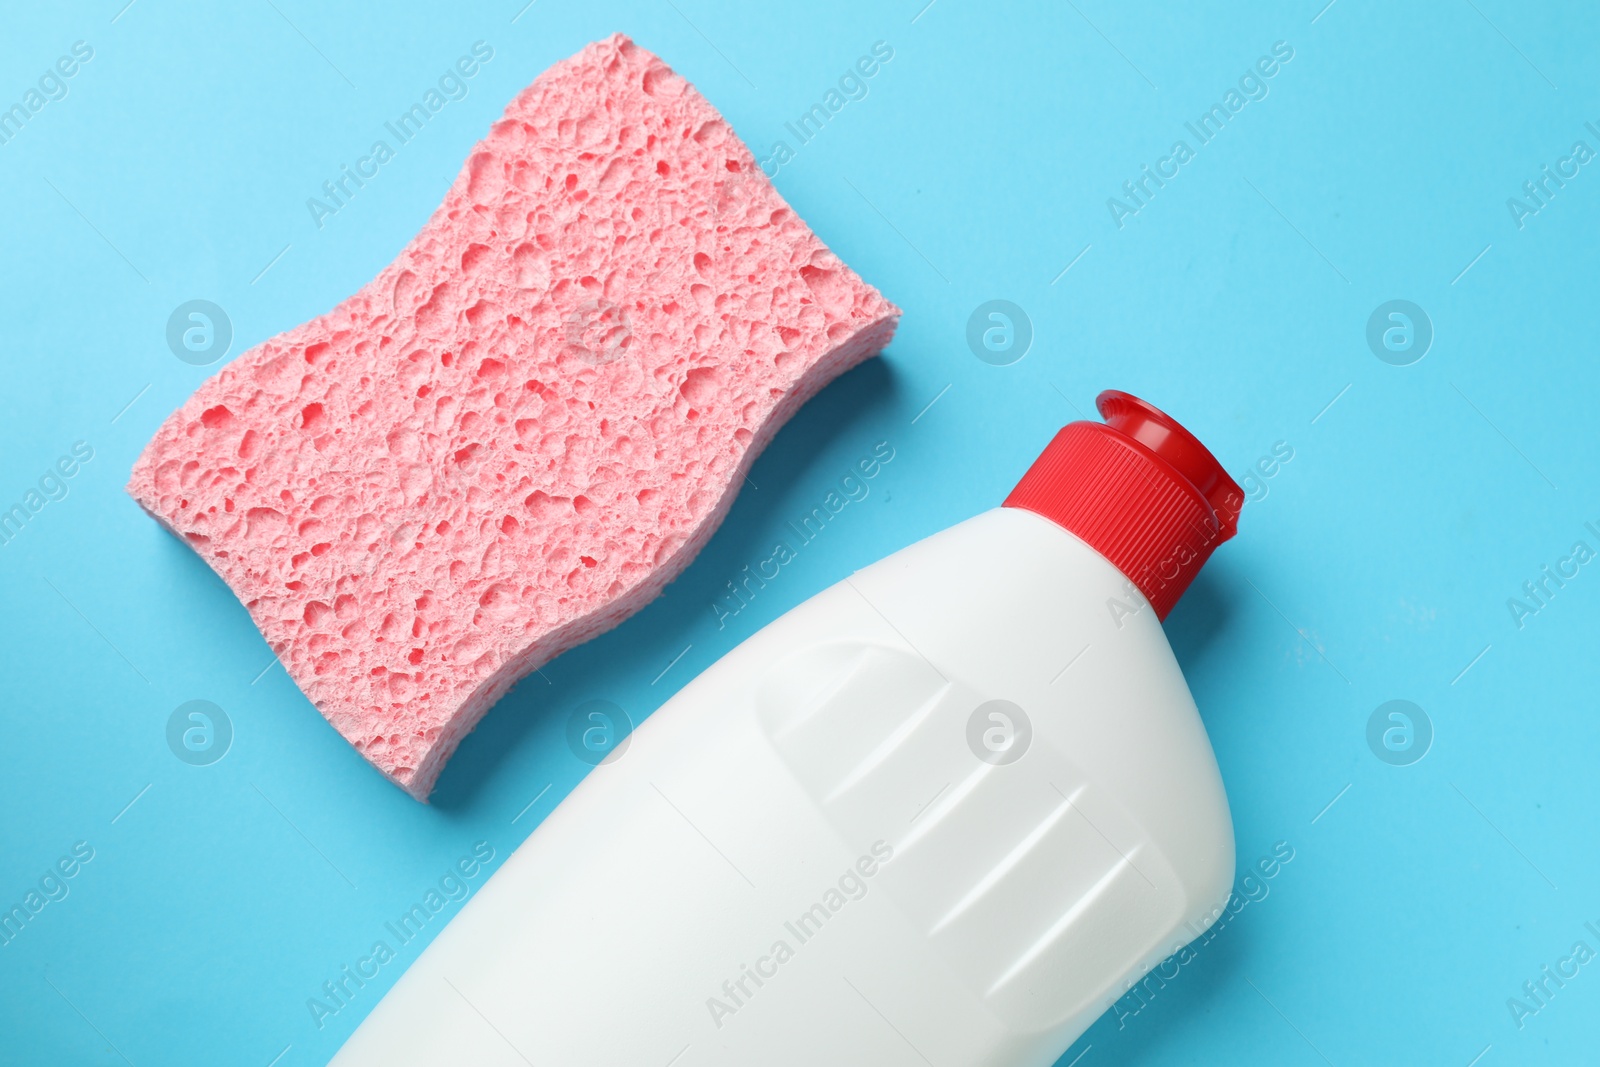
[[1009, 607]]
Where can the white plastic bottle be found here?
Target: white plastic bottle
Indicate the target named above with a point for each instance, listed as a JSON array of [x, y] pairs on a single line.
[[944, 812]]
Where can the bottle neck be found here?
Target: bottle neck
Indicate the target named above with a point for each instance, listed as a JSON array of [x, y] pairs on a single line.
[[1140, 490]]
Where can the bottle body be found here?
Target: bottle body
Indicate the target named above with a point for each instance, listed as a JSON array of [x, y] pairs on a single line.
[[947, 808]]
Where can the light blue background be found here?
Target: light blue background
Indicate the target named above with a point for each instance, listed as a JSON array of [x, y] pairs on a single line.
[[1377, 567]]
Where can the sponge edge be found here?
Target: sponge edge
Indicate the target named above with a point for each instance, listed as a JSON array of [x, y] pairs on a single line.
[[528, 424]]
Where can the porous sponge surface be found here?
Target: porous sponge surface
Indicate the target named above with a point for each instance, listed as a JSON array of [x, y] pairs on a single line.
[[528, 423]]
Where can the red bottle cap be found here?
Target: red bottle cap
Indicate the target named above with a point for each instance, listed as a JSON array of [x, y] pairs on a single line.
[[1140, 490]]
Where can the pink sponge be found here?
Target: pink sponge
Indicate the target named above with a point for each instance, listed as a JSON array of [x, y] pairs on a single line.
[[528, 423]]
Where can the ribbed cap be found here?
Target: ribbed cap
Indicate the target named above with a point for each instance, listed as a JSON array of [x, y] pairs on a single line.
[[1140, 490]]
